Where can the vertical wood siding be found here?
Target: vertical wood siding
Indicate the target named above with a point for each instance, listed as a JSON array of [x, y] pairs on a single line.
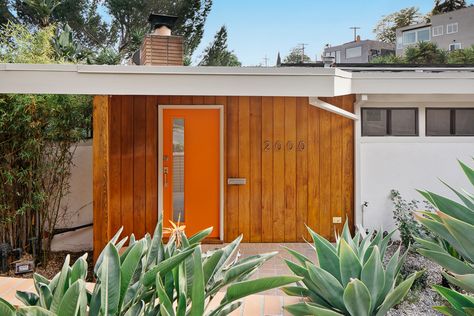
[[298, 161]]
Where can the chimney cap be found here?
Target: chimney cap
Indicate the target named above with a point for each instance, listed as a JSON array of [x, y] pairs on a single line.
[[159, 20]]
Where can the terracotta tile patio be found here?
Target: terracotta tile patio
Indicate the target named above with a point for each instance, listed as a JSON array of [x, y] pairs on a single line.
[[268, 303]]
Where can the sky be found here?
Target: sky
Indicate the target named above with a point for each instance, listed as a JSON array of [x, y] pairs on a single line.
[[259, 28]]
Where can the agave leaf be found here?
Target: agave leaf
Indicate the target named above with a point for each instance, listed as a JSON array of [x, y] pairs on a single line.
[[429, 245], [27, 298], [45, 295], [136, 309], [165, 266], [75, 300], [239, 290], [112, 241], [456, 299], [397, 295], [384, 243], [210, 264], [468, 171], [373, 276], [35, 311], [109, 276], [465, 282], [448, 310], [300, 257], [197, 294], [463, 233], [450, 207], [296, 291], [129, 267], [349, 264], [166, 306], [62, 285], [329, 287], [465, 199], [79, 269], [447, 261], [6, 308], [327, 255], [199, 236], [309, 309], [357, 298]]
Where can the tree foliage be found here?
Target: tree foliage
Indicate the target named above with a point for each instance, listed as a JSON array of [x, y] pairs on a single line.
[[38, 137], [443, 6], [425, 53], [385, 29], [296, 56], [124, 33], [217, 53], [462, 56]]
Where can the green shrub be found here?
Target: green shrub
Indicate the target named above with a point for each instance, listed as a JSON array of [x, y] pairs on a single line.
[[453, 223], [151, 278], [407, 225], [349, 277]]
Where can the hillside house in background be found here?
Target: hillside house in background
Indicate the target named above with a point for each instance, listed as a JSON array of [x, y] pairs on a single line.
[[358, 51], [449, 31]]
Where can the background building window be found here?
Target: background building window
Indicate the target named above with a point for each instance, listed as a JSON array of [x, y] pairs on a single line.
[[452, 28], [454, 46], [354, 52], [450, 122], [389, 122], [414, 36], [438, 30]]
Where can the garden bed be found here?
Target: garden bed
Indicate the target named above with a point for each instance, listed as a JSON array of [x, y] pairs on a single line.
[[54, 265]]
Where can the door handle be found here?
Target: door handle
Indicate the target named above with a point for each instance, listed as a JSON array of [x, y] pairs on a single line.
[[165, 176]]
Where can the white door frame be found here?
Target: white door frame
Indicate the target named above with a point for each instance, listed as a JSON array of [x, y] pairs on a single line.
[[221, 154]]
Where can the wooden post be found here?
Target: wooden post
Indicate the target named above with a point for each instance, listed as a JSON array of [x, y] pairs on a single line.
[[100, 172]]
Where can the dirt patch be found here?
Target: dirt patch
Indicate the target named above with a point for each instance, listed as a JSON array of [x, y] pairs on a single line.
[[54, 265]]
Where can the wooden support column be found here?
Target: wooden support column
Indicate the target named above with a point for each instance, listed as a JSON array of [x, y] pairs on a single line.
[[100, 147]]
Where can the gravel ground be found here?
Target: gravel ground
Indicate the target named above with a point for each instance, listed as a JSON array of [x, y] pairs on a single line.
[[54, 265], [422, 297]]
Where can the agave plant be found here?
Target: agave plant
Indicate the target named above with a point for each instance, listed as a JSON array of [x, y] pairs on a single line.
[[453, 223], [349, 277], [151, 278]]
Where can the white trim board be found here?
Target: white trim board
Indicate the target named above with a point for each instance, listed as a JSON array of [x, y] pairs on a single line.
[[221, 158]]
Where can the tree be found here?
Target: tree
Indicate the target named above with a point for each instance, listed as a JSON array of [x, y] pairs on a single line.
[[39, 134], [425, 53], [385, 30], [296, 56], [443, 6], [217, 53]]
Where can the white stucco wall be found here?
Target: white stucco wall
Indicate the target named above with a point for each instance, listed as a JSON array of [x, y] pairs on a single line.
[[407, 163], [78, 204]]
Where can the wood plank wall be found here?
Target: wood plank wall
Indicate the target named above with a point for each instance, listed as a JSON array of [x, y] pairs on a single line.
[[298, 159]]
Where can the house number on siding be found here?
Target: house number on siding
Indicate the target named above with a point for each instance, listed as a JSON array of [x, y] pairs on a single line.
[[300, 146]]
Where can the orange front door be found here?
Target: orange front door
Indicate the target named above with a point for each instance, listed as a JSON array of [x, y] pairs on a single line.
[[191, 168]]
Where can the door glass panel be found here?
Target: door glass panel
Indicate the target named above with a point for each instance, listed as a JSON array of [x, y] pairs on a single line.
[[178, 170]]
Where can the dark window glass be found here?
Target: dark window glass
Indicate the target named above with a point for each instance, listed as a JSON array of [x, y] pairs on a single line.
[[374, 122], [450, 122], [389, 122], [464, 122], [438, 122], [403, 122]]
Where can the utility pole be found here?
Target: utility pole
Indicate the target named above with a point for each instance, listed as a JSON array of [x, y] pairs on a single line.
[[355, 28], [302, 45]]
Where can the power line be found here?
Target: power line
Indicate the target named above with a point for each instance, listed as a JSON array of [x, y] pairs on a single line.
[[302, 45]]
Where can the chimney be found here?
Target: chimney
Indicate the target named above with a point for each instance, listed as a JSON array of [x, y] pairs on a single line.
[[358, 38], [160, 48]]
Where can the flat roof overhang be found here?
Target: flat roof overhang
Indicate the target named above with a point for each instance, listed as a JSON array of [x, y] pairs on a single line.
[[231, 81], [155, 80]]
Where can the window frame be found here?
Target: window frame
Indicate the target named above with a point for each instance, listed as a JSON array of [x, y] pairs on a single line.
[[388, 132], [438, 27], [452, 50], [452, 121], [452, 24], [427, 28], [351, 49]]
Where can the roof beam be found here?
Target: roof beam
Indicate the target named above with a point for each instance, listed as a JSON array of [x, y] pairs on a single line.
[[315, 101]]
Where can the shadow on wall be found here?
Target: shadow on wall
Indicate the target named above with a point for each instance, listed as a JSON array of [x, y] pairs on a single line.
[[78, 204]]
